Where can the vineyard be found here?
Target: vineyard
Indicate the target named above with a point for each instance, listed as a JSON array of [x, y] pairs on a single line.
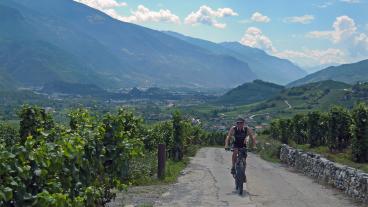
[[85, 163], [339, 129]]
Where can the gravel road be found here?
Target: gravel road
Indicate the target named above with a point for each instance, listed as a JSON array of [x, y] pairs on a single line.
[[207, 182]]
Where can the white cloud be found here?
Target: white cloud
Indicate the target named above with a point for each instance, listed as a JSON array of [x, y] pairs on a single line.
[[345, 34], [306, 19], [143, 14], [208, 16], [325, 5], [254, 37], [350, 1], [361, 43], [361, 38], [343, 28], [102, 4], [309, 57], [258, 17]]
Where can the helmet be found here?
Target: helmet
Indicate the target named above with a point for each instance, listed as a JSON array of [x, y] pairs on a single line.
[[240, 120]]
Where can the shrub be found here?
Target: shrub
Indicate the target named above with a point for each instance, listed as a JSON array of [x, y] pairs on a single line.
[[339, 125], [299, 129], [317, 128], [285, 130], [360, 129]]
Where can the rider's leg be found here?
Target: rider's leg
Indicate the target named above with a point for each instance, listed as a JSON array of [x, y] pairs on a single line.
[[245, 164], [235, 154]]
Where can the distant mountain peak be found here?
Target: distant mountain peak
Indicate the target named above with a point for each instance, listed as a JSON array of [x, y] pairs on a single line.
[[265, 66]]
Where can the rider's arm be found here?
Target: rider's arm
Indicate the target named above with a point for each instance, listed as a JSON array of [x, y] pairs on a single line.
[[252, 136], [228, 137]]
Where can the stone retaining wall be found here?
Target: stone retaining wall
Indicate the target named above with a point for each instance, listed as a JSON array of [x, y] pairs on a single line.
[[350, 180]]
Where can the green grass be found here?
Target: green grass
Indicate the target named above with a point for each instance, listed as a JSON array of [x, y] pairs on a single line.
[[172, 171], [268, 149], [145, 205]]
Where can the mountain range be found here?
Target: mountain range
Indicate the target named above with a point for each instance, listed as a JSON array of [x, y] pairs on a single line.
[[266, 67], [61, 40], [347, 73]]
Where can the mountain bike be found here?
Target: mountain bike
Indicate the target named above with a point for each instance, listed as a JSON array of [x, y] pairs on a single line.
[[240, 166]]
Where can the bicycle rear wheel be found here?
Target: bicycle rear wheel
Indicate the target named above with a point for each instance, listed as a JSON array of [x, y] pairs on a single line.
[[240, 184]]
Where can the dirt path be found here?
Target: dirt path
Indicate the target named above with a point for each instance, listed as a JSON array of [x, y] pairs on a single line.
[[288, 104], [207, 182]]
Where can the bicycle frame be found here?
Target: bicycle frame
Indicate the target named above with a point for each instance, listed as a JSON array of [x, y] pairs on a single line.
[[240, 167]]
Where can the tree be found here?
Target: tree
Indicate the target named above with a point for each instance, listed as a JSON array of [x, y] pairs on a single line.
[[360, 129], [299, 129], [177, 151], [317, 128], [275, 129], [285, 130], [339, 124]]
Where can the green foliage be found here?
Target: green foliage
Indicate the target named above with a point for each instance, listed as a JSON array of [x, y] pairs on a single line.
[[285, 130], [313, 96], [299, 133], [160, 133], [275, 129], [268, 148], [360, 90], [214, 138], [177, 150], [8, 135], [281, 130], [34, 120], [57, 166], [250, 93], [81, 164], [339, 128], [317, 128], [360, 140]]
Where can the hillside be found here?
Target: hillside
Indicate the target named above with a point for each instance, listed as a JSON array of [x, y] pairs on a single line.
[[265, 66], [250, 93], [6, 83], [348, 73], [68, 41], [319, 95]]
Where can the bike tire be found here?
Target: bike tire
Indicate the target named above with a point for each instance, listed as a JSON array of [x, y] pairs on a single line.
[[240, 182]]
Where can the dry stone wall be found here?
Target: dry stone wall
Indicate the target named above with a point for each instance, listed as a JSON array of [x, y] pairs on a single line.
[[350, 180]]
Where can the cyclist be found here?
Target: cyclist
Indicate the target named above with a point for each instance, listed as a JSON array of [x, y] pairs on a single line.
[[241, 131]]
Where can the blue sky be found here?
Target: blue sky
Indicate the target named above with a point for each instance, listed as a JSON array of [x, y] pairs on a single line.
[[311, 33]]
